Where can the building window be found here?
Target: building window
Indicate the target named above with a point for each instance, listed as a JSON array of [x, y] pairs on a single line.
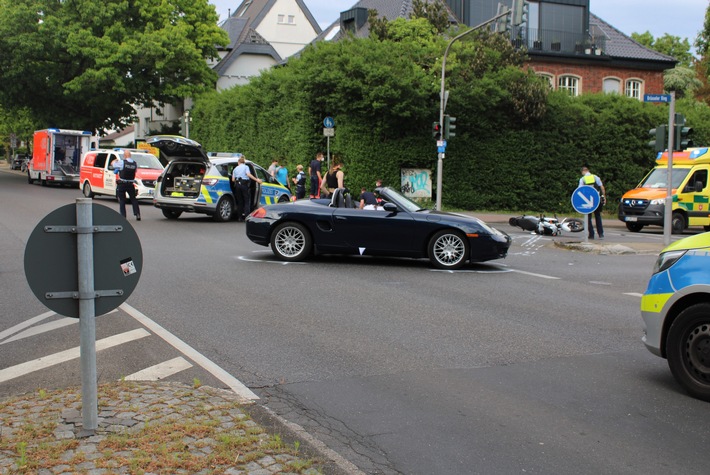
[[286, 19], [549, 78], [291, 20], [569, 84], [282, 18], [634, 88], [612, 86]]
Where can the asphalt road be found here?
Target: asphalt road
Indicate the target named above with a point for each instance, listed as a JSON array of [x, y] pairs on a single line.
[[530, 364]]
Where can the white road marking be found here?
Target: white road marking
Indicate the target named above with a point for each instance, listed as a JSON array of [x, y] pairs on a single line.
[[237, 386], [470, 271], [68, 355], [161, 370], [598, 282], [25, 324], [543, 276], [267, 261], [45, 327], [633, 294]]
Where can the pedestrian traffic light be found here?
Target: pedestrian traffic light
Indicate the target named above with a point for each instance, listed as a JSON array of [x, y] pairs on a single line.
[[681, 139], [449, 126], [520, 12], [436, 130], [659, 138]]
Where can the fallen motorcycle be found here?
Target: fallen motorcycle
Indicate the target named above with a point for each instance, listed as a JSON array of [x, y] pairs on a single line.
[[547, 226]]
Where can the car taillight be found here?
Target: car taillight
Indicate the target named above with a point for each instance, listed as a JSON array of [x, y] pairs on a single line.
[[209, 181], [258, 213]]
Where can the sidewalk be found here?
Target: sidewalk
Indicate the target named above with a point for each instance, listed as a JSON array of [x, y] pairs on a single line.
[[164, 428]]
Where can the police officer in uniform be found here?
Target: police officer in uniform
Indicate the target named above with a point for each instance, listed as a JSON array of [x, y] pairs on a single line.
[[241, 179], [595, 181], [125, 171]]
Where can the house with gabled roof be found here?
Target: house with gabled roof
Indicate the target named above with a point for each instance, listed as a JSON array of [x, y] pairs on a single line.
[[575, 50], [262, 33]]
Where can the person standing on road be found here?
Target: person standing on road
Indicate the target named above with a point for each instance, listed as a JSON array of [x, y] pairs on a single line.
[[241, 179], [314, 171], [300, 182], [125, 170], [281, 175], [593, 180]]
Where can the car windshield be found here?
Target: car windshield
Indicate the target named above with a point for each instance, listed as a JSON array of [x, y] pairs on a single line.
[[659, 177], [400, 200], [146, 160]]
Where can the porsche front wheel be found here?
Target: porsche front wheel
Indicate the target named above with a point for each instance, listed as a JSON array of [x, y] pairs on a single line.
[[448, 249], [291, 242]]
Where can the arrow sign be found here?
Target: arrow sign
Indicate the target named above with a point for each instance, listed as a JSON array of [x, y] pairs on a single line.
[[585, 199]]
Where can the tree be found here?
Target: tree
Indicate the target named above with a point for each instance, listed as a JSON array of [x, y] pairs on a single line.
[[85, 64], [667, 44]]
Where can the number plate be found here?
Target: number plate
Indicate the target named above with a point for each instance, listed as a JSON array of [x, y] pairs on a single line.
[[631, 219]]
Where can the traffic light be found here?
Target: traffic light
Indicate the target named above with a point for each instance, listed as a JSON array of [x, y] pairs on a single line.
[[503, 24], [449, 126], [436, 130], [658, 135], [520, 12], [183, 126], [681, 139]]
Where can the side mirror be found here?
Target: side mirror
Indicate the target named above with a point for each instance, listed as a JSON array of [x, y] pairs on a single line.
[[699, 186], [390, 207]]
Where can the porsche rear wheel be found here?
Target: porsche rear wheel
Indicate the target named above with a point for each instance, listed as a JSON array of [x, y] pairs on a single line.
[[291, 242], [448, 249]]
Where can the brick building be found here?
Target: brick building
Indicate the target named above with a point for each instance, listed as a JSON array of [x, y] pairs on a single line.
[[575, 50]]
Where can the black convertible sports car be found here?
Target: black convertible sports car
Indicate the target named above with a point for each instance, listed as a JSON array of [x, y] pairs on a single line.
[[399, 227]]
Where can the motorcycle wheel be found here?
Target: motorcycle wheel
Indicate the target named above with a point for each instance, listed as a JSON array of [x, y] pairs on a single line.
[[575, 225]]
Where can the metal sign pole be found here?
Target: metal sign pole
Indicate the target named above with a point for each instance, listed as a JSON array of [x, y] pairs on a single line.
[[668, 210], [87, 314]]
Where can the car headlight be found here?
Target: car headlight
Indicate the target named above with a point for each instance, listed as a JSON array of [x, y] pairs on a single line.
[[658, 201], [667, 259]]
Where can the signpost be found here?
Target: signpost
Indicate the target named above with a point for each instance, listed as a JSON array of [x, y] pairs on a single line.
[[668, 206], [585, 200], [82, 260], [328, 132]]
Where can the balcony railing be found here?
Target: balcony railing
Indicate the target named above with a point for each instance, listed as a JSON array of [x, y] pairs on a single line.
[[552, 41]]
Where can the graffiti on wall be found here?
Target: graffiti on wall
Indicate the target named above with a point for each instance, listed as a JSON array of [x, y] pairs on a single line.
[[416, 182]]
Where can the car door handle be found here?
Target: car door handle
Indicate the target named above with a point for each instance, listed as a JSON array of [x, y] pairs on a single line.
[[341, 218]]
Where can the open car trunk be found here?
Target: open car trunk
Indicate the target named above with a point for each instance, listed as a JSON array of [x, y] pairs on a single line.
[[182, 179]]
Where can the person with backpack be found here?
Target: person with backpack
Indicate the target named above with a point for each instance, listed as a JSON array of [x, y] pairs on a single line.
[[589, 179]]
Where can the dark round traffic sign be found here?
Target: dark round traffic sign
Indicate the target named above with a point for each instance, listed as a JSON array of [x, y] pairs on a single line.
[[51, 257]]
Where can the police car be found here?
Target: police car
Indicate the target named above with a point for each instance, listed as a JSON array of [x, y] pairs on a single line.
[[193, 182], [676, 312]]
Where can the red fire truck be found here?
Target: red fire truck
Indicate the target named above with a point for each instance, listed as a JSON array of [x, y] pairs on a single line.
[[56, 154]]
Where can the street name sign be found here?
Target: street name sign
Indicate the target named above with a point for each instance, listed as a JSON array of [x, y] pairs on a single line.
[[657, 98]]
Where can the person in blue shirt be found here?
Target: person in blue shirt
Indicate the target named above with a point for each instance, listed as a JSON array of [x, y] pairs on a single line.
[[125, 170], [241, 179]]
